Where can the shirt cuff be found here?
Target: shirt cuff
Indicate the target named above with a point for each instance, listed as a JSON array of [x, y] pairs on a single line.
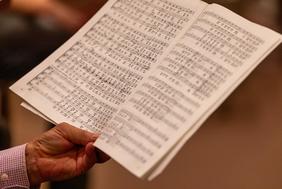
[[13, 172]]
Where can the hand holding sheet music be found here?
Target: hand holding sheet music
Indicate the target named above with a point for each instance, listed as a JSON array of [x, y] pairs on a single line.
[[147, 73]]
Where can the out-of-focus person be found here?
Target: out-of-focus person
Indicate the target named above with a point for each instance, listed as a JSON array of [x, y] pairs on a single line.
[[71, 14]]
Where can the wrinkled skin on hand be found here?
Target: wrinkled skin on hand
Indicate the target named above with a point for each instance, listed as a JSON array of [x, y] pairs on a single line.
[[61, 153]]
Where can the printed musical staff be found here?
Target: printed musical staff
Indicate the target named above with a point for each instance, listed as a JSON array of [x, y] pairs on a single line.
[[103, 67]]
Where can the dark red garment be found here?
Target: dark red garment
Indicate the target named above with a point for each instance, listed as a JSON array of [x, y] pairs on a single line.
[[4, 4]]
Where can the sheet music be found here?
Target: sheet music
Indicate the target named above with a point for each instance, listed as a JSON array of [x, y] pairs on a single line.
[[207, 63], [266, 32], [87, 79], [34, 111], [137, 73]]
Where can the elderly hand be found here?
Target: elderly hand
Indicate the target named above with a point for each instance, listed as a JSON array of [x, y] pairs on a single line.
[[61, 153]]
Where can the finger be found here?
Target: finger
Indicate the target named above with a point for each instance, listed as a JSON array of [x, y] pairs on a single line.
[[101, 157], [92, 156], [89, 158], [75, 135]]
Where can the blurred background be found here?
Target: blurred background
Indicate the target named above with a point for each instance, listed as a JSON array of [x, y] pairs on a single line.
[[238, 147]]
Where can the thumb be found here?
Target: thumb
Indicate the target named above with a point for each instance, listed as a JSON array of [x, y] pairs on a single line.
[[75, 135], [89, 157]]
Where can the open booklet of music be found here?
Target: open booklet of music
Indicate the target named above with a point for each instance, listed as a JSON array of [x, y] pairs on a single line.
[[146, 74]]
